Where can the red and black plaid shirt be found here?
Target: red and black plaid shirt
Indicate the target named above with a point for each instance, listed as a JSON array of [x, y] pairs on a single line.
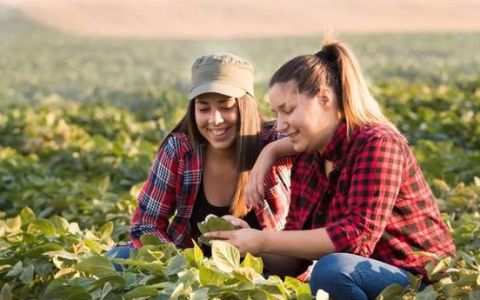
[[375, 202], [173, 183]]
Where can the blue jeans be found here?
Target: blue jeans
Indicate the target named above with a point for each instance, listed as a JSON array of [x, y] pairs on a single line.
[[347, 276], [122, 252]]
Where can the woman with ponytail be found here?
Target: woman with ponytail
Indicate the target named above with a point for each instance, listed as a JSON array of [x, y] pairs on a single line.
[[359, 202], [202, 166]]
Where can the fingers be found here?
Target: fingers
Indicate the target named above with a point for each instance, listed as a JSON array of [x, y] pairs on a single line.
[[217, 235], [237, 222]]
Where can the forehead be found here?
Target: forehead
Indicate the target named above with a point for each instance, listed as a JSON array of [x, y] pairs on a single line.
[[213, 98], [283, 92]]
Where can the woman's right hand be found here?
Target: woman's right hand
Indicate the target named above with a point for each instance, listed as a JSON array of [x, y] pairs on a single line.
[[237, 222]]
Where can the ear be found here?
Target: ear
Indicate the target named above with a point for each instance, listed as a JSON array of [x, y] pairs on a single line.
[[326, 97]]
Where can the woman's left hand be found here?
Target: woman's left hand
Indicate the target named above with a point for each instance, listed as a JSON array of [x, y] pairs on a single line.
[[246, 239]]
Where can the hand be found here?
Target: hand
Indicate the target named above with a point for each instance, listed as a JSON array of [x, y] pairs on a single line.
[[246, 239], [254, 189], [237, 222]]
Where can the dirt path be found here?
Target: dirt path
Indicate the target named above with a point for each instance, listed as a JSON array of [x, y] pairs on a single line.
[[248, 18]]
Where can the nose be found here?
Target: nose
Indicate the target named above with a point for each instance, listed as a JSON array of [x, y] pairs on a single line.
[[215, 117], [282, 124]]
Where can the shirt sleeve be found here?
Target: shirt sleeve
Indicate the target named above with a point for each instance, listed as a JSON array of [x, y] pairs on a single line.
[[277, 187], [375, 183], [156, 201]]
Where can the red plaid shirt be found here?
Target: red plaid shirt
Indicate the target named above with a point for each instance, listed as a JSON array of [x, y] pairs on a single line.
[[172, 186], [375, 202]]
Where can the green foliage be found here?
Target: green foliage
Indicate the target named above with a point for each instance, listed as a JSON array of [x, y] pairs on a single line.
[[46, 261], [80, 120]]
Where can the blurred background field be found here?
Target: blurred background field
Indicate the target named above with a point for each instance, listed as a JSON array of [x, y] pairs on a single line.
[[82, 117]]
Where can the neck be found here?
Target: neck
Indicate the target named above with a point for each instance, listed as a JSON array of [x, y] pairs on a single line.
[[331, 131], [221, 154]]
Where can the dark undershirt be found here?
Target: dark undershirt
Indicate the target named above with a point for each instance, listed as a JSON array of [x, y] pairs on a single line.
[[203, 208]]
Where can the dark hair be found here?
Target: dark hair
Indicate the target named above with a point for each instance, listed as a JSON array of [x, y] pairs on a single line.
[[248, 143]]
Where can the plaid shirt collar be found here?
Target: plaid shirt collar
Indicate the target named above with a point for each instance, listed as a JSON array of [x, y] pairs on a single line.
[[338, 146]]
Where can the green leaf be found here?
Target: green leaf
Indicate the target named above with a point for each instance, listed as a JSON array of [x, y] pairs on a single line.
[[105, 231], [93, 245], [215, 223], [16, 270], [27, 274], [45, 226], [106, 289], [150, 239], [115, 280], [103, 185], [27, 215], [69, 293], [202, 227], [211, 277], [96, 265], [38, 251], [200, 294], [475, 294], [247, 275], [225, 256], [391, 292], [303, 292], [55, 285], [427, 293], [175, 265], [141, 291], [61, 253], [60, 224], [6, 292], [250, 261], [14, 224]]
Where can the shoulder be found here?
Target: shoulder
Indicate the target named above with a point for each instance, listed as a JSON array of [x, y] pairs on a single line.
[[371, 133], [176, 144]]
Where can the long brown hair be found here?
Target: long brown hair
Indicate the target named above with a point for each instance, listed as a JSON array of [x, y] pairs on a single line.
[[335, 66], [248, 144]]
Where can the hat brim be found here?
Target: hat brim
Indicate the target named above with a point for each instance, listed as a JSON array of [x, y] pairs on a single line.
[[216, 87]]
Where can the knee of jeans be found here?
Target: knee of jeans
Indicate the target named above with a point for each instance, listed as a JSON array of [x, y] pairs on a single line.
[[327, 273]]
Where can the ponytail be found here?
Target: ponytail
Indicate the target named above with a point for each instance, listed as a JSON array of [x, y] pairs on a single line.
[[335, 66]]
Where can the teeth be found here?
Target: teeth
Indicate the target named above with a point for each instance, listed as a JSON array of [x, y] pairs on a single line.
[[218, 132]]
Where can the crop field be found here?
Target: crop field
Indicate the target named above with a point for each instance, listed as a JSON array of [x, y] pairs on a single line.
[[81, 119]]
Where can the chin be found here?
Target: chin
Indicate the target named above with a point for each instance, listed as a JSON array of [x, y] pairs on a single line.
[[299, 148], [222, 146]]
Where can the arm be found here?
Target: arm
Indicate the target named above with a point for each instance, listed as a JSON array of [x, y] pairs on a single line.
[[309, 244], [156, 201], [375, 181], [254, 189]]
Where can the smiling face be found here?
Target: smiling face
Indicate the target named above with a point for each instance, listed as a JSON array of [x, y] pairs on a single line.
[[216, 117], [308, 121]]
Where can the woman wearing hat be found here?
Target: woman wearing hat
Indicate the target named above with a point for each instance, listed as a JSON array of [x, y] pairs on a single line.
[[359, 201], [202, 166]]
